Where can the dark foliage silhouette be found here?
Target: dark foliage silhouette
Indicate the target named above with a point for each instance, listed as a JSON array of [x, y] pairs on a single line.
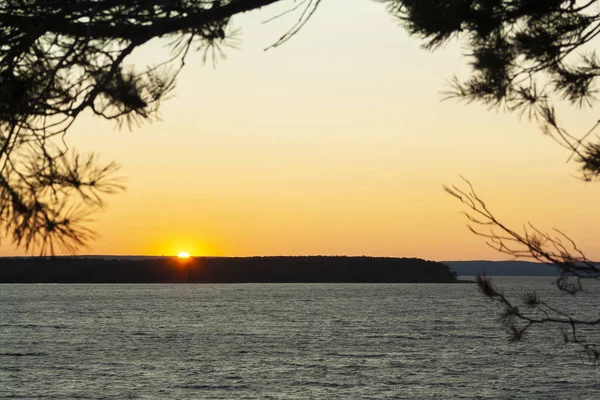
[[524, 55], [59, 59]]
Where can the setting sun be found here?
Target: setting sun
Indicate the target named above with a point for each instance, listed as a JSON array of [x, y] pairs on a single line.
[[183, 254]]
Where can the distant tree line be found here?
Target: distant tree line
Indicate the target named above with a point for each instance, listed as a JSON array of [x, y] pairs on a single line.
[[224, 270]]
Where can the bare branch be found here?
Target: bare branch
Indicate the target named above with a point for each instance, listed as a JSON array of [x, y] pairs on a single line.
[[543, 247]]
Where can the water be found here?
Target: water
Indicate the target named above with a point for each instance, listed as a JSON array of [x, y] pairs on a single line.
[[278, 341]]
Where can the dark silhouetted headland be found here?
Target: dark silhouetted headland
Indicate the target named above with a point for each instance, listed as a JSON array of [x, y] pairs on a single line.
[[223, 270], [502, 268]]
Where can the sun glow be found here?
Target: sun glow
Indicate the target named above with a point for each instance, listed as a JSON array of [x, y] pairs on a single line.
[[183, 255]]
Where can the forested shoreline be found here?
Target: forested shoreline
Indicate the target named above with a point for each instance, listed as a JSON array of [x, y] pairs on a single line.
[[283, 269]]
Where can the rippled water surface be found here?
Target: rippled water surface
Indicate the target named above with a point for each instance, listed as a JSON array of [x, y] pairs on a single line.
[[288, 341]]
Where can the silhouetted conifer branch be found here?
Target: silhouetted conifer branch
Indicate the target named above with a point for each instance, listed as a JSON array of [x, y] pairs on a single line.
[[524, 56], [62, 58]]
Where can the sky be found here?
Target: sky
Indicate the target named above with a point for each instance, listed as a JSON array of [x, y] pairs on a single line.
[[336, 143]]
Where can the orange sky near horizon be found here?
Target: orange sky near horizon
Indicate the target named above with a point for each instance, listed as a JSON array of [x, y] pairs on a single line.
[[335, 143]]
